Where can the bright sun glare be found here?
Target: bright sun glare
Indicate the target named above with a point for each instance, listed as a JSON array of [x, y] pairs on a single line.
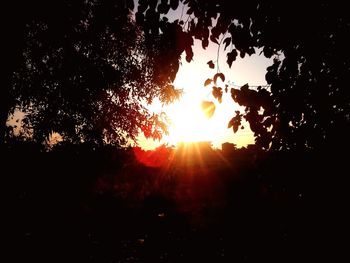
[[189, 122]]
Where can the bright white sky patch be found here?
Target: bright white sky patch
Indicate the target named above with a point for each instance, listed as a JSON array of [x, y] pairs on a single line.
[[189, 121]]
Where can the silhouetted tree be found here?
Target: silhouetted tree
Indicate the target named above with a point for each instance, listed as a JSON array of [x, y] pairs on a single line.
[[83, 69], [307, 102]]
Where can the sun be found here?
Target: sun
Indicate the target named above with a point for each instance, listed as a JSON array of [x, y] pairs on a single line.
[[198, 117], [189, 121]]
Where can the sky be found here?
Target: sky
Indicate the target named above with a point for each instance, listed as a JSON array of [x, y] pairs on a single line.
[[189, 121]]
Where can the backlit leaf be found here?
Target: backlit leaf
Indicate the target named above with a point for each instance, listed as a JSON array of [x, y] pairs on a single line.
[[207, 82], [217, 93], [208, 108], [219, 75]]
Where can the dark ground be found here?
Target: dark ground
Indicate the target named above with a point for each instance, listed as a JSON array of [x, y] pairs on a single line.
[[78, 205]]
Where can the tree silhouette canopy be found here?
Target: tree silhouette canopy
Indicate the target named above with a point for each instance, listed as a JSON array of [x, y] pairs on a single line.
[[306, 104], [86, 70], [83, 69]]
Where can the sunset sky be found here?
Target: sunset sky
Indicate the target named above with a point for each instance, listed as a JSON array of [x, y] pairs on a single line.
[[188, 120]]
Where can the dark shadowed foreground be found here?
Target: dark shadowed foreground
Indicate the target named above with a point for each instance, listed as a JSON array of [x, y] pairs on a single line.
[[77, 205]]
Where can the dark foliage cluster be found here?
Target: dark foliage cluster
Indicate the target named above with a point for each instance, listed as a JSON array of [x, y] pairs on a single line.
[[307, 102], [87, 69], [83, 69]]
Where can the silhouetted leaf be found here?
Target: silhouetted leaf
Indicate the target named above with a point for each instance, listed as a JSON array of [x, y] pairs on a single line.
[[227, 42], [210, 64], [163, 8], [214, 39], [217, 93], [207, 82], [235, 122], [231, 56], [230, 124], [251, 51], [268, 52], [189, 54], [174, 4], [205, 43], [219, 75]]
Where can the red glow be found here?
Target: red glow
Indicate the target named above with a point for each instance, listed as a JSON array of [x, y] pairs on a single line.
[[156, 158]]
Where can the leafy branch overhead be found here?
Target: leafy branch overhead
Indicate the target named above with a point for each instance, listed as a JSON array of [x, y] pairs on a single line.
[[216, 91], [309, 73], [86, 68]]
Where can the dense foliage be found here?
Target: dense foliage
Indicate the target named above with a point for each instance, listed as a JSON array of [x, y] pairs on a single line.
[[83, 70]]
